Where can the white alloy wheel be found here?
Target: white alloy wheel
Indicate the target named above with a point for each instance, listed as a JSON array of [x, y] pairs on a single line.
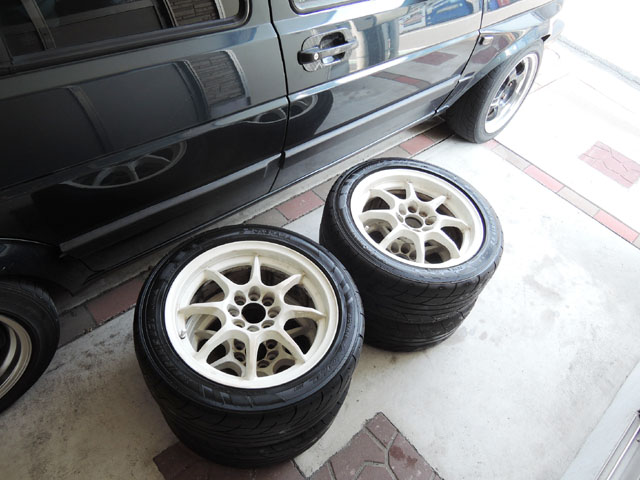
[[417, 218], [15, 353], [251, 314]]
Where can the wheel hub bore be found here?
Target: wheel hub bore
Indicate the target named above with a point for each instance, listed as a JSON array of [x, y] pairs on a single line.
[[254, 313]]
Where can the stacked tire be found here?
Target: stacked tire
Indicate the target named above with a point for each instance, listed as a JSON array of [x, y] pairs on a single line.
[[420, 243], [247, 338]]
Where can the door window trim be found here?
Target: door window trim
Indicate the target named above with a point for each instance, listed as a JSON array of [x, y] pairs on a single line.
[[20, 63], [317, 5]]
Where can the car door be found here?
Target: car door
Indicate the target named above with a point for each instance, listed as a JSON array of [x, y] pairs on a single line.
[[131, 122], [359, 71]]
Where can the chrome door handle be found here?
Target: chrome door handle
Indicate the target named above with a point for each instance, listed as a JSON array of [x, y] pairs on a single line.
[[326, 49]]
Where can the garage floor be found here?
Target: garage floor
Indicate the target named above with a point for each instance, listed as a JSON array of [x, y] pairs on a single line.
[[514, 394]]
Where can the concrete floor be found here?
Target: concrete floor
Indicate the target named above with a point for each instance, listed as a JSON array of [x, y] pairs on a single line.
[[513, 394]]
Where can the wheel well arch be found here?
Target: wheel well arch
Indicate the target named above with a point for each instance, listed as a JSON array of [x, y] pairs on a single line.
[[42, 264]]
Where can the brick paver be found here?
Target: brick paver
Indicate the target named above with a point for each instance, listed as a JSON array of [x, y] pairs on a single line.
[[377, 452], [300, 205], [613, 164], [417, 144], [615, 225], [115, 301], [544, 178]]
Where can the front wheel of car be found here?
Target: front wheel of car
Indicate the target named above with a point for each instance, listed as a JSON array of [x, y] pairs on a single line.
[[28, 337], [486, 109]]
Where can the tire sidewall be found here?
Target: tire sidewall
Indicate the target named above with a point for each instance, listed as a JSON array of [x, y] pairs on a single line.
[[153, 343], [489, 251]]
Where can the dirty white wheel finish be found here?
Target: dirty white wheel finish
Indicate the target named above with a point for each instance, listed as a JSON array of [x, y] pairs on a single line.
[[28, 337], [420, 243], [486, 109], [417, 218], [251, 314], [247, 338], [15, 353]]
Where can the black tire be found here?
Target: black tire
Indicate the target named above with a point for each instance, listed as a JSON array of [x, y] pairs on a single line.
[[408, 307], [246, 427], [467, 117], [27, 315]]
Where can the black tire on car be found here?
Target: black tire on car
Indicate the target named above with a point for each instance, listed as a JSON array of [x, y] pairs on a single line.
[[29, 335], [420, 243], [486, 109], [247, 338]]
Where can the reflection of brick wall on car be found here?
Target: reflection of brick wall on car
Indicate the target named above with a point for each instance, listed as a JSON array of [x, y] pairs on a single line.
[[219, 77], [187, 12]]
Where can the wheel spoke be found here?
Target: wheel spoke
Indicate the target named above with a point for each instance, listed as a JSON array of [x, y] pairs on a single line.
[[389, 198], [158, 158], [295, 311], [410, 190], [289, 343], [210, 308], [251, 357], [133, 173], [223, 282], [256, 278], [391, 237], [418, 243], [447, 221], [437, 202], [380, 215], [284, 286], [216, 339], [443, 239]]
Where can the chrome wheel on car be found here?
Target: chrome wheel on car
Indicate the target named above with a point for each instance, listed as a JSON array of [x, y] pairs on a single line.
[[417, 218], [15, 353], [511, 93], [251, 314]]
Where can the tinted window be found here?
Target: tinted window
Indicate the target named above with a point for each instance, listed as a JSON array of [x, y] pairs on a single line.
[[34, 25]]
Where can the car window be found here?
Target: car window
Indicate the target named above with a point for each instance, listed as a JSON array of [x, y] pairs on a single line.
[[29, 26]]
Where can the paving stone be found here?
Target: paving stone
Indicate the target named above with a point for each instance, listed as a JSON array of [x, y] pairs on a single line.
[[271, 217], [322, 474], [322, 190], [300, 205], [283, 471], [615, 225], [73, 323], [175, 460], [544, 178], [578, 201], [382, 429], [490, 145], [439, 133], [115, 301], [394, 152], [406, 462], [205, 470], [511, 157], [613, 164], [361, 449], [417, 144], [375, 472]]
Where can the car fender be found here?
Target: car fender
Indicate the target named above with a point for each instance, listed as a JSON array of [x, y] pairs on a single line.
[[42, 263]]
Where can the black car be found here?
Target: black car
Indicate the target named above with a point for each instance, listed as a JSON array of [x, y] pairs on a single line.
[[126, 124]]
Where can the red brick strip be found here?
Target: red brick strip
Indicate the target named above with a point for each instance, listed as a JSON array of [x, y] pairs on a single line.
[[618, 227], [115, 301], [300, 205]]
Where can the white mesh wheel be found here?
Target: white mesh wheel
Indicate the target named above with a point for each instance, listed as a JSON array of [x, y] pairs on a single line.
[[251, 314], [417, 218], [15, 353]]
